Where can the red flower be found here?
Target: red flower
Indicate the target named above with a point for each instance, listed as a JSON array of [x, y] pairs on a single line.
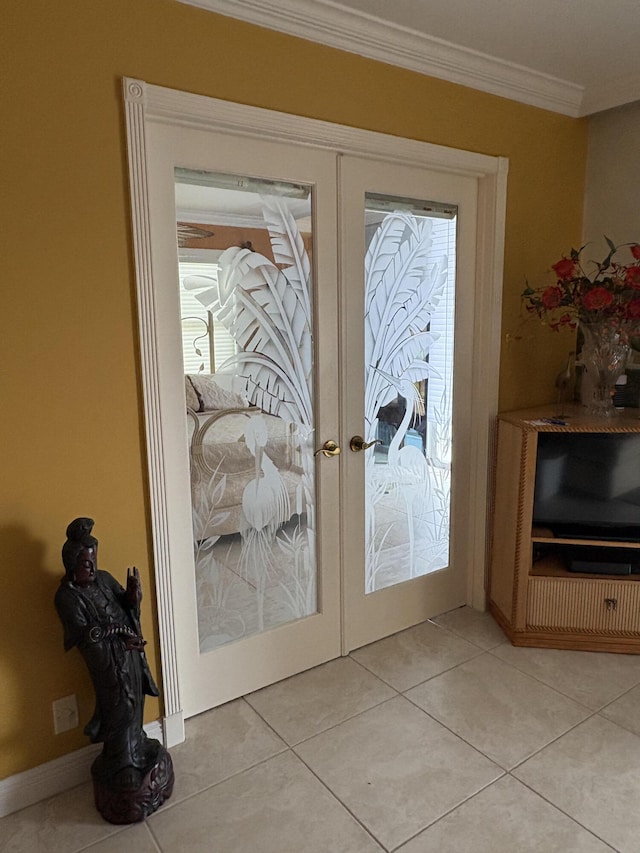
[[632, 277], [565, 268], [552, 297], [598, 297], [611, 291], [633, 310]]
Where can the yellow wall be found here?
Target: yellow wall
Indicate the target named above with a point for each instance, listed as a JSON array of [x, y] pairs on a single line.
[[72, 432]]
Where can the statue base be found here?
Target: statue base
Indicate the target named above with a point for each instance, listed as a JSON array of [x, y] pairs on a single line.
[[131, 795]]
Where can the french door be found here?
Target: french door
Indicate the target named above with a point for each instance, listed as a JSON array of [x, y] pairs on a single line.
[[308, 333], [253, 515], [408, 279]]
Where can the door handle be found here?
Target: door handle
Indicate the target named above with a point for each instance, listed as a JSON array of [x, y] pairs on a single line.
[[329, 448], [358, 443]]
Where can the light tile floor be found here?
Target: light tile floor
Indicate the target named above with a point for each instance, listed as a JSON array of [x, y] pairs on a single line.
[[441, 739]]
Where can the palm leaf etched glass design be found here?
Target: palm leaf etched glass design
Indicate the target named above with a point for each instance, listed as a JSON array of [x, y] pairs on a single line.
[[407, 492], [269, 564]]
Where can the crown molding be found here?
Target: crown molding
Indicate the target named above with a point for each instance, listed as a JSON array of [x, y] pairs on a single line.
[[329, 23]]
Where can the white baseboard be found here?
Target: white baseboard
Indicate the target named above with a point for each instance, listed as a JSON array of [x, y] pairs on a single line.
[[54, 777], [174, 732]]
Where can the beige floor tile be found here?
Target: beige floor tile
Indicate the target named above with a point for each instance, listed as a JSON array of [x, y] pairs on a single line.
[[134, 839], [277, 807], [219, 744], [62, 824], [505, 818], [412, 656], [501, 711], [625, 711], [472, 625], [592, 678], [592, 774], [396, 769], [313, 701]]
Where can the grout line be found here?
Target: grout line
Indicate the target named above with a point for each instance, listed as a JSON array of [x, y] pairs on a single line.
[[371, 672], [460, 634], [92, 844], [170, 804], [375, 675], [291, 748], [337, 798], [266, 722], [285, 748], [424, 681], [346, 720], [551, 687], [460, 737], [566, 814], [153, 837], [554, 740], [167, 806], [493, 760], [449, 811], [615, 722], [604, 708], [119, 831]]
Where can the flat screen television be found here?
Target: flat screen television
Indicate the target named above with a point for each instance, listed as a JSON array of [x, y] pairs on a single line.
[[588, 485]]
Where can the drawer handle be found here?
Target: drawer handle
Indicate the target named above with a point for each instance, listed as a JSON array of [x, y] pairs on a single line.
[[611, 603]]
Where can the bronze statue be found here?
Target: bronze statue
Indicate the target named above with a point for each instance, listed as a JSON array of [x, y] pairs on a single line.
[[133, 775]]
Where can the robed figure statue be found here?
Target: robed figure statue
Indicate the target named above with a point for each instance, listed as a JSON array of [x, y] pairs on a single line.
[[133, 775]]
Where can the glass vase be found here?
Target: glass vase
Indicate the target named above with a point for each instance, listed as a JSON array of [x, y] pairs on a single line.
[[604, 356]]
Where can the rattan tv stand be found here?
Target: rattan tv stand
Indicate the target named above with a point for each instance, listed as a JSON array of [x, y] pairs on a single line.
[[539, 602]]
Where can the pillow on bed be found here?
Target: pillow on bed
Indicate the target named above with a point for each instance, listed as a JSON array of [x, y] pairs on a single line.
[[213, 397], [192, 398]]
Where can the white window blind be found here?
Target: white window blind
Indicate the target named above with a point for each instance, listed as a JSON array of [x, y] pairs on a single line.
[[199, 328], [440, 385]]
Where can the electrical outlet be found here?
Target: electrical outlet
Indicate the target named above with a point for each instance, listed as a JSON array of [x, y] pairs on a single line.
[[65, 714]]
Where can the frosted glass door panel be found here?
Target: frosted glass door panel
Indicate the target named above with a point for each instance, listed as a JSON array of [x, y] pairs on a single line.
[[409, 323], [246, 316]]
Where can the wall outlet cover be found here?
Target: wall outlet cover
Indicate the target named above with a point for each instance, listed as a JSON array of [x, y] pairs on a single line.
[[65, 714]]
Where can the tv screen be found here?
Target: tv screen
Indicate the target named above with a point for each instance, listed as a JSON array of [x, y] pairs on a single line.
[[588, 485]]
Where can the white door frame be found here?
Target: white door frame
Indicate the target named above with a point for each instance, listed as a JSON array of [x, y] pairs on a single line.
[[146, 104]]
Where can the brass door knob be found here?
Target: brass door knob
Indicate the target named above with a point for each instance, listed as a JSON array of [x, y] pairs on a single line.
[[358, 443], [329, 448]]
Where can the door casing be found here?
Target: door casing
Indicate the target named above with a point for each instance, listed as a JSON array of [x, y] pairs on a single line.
[[146, 104]]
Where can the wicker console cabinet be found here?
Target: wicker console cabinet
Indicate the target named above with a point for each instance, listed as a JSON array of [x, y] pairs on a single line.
[[532, 594]]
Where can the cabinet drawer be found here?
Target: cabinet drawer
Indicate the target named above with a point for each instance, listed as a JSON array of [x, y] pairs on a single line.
[[598, 606]]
